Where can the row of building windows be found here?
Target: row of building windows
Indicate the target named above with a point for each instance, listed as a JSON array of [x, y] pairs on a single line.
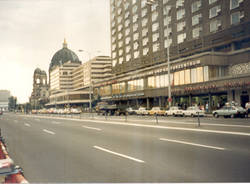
[[188, 76]]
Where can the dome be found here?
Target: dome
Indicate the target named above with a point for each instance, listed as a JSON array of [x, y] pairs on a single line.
[[62, 56], [37, 71]]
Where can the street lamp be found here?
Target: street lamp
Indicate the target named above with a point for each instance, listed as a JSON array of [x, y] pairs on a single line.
[[167, 9]]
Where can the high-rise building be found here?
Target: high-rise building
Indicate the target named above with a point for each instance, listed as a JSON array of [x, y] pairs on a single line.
[[209, 43]]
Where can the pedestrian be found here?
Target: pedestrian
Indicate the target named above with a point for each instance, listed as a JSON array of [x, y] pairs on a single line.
[[218, 105], [206, 107]]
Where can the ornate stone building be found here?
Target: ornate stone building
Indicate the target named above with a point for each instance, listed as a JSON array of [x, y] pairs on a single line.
[[40, 93]]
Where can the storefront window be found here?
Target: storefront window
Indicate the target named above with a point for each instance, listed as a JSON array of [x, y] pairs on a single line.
[[105, 90], [187, 76], [182, 77], [176, 78], [200, 77], [135, 85], [206, 75], [193, 75], [118, 88]]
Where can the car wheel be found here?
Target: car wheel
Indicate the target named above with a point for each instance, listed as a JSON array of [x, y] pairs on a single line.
[[183, 115], [192, 115], [216, 115]]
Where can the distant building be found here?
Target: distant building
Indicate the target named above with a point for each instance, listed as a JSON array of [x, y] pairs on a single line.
[[71, 83], [40, 92], [209, 43], [4, 99]]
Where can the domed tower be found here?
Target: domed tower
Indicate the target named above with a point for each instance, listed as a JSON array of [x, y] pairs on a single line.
[[62, 56], [40, 91]]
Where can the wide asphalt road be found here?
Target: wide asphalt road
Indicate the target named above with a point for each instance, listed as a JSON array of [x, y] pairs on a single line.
[[52, 149]]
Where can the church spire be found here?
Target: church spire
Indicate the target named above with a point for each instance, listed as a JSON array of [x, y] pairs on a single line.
[[64, 43]]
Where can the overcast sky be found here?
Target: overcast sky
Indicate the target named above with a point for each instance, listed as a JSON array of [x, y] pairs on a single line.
[[31, 31]]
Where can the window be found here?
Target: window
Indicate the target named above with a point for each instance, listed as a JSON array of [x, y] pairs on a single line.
[[187, 76], [155, 37], [134, 9], [136, 45], [120, 52], [120, 60], [180, 26], [167, 32], [235, 3], [144, 32], [235, 18], [119, 36], [127, 40], [144, 12], [127, 22], [206, 75], [135, 85], [127, 14], [213, 12], [215, 25], [128, 57], [128, 49], [144, 22], [143, 3], [155, 26], [200, 77], [127, 31], [196, 6], [136, 54], [126, 5], [165, 1], [145, 51], [196, 19], [180, 14], [154, 16], [120, 43], [136, 36], [135, 27], [114, 61], [167, 21], [119, 11], [154, 6], [179, 3], [212, 1], [196, 32], [167, 43], [176, 78], [113, 54], [119, 19], [120, 27], [135, 17], [145, 41], [181, 38], [193, 75], [155, 47]]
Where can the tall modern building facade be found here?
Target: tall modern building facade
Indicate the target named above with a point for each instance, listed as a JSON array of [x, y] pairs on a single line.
[[208, 41]]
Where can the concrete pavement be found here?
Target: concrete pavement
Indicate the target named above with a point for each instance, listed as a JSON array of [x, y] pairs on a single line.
[[64, 150]]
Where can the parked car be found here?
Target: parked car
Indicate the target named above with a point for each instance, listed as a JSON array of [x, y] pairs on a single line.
[[1, 112], [75, 111], [193, 111], [230, 111], [142, 111], [174, 111], [131, 111], [156, 110]]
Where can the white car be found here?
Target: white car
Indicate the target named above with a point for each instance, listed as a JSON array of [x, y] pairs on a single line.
[[142, 111], [193, 111], [174, 111]]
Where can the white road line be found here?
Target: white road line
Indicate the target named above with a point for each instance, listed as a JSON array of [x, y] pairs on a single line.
[[118, 154], [92, 128], [49, 132], [159, 127], [26, 124], [193, 144], [56, 122]]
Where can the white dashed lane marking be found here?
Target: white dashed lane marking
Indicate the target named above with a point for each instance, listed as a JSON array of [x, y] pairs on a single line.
[[26, 124], [92, 128], [119, 154], [49, 132], [192, 144]]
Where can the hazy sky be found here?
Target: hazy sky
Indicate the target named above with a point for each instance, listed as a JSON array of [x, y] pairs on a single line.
[[31, 31]]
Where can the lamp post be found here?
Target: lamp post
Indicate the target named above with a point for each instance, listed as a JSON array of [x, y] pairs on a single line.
[[167, 9]]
